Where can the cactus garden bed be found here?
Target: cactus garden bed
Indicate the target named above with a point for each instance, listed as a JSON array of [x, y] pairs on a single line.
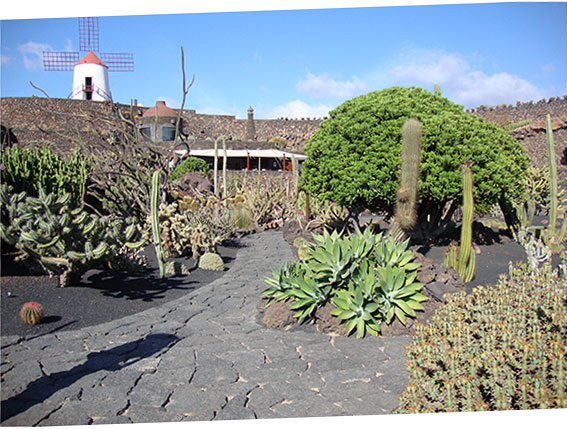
[[100, 297], [495, 252]]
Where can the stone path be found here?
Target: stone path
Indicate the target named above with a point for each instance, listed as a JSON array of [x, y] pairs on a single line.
[[202, 357]]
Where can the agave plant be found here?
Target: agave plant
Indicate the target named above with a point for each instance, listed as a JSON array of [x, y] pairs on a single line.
[[398, 293], [281, 283], [390, 253], [308, 296], [357, 305], [331, 263]]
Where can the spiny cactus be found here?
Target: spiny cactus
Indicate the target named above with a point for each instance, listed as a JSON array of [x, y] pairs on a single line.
[[28, 170], [155, 222], [406, 197], [437, 89], [216, 168], [211, 261], [31, 313], [499, 348], [65, 242], [463, 257], [224, 161], [551, 236]]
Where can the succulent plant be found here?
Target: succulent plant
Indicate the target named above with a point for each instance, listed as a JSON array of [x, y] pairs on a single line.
[[211, 261], [66, 242], [367, 277], [31, 313], [463, 257], [406, 197], [502, 347], [155, 199]]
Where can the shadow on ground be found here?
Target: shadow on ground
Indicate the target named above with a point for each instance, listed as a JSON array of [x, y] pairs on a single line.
[[113, 359]]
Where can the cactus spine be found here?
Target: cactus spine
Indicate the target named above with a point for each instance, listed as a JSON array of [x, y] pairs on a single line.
[[156, 179], [31, 313], [552, 237], [406, 197], [463, 257]]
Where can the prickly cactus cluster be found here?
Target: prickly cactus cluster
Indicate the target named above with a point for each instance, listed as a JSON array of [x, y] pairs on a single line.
[[193, 227], [499, 348], [66, 242]]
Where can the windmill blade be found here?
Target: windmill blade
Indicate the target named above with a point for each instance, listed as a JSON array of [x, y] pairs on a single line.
[[118, 62], [59, 61], [88, 34]]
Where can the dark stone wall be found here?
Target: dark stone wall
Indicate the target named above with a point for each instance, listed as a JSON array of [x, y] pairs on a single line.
[[532, 136], [64, 122]]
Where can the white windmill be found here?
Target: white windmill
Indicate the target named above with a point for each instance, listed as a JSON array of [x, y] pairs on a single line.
[[90, 73]]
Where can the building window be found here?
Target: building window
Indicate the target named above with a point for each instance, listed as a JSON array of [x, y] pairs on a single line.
[[168, 134], [146, 133]]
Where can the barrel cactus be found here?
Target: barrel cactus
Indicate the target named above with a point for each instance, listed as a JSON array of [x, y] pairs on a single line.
[[31, 313]]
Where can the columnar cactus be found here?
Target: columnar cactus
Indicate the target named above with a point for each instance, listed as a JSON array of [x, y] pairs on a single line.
[[31, 313], [224, 161], [155, 222], [463, 257], [295, 174], [216, 168], [553, 239], [437, 90], [406, 197]]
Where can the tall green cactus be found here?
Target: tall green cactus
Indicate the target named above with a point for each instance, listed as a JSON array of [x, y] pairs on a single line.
[[224, 162], [463, 257], [216, 168], [552, 238], [154, 204], [295, 175], [437, 90], [406, 197]]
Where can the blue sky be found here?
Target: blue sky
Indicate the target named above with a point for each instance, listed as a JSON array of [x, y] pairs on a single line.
[[301, 63]]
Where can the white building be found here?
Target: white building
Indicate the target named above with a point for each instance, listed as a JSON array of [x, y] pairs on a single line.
[[90, 79]]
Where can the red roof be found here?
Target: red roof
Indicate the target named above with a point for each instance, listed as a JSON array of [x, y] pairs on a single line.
[[91, 58], [162, 110]]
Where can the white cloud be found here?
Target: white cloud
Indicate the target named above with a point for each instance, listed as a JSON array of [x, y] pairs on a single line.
[[32, 54], [300, 109], [460, 81], [549, 67], [5, 60], [325, 86], [169, 102]]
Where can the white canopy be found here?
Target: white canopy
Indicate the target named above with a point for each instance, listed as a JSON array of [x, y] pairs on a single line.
[[243, 153]]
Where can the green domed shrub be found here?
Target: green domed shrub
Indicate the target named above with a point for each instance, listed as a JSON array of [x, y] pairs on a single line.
[[354, 158]]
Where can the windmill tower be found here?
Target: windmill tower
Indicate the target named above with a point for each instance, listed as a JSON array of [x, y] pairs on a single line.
[[90, 73]]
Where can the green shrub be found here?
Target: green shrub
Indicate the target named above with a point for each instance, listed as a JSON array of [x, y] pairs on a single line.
[[29, 170], [190, 164], [499, 348], [367, 277], [354, 158]]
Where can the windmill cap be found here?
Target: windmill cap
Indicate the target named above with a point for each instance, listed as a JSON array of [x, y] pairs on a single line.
[[91, 58], [162, 110]]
